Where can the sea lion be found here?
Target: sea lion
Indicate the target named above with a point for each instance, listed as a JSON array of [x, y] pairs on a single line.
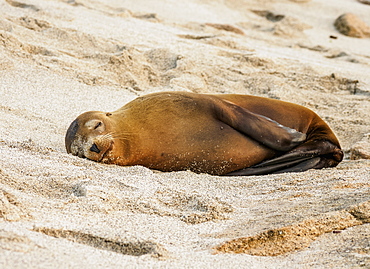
[[222, 134]]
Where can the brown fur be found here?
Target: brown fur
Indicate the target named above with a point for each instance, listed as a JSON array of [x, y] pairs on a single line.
[[214, 134]]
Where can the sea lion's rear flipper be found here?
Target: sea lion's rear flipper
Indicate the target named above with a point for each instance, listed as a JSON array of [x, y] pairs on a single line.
[[262, 129], [310, 155]]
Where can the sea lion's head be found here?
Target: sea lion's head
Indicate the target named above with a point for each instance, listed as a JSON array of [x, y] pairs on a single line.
[[90, 136]]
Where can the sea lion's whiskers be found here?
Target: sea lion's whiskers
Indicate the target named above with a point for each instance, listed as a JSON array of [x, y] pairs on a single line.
[[120, 136]]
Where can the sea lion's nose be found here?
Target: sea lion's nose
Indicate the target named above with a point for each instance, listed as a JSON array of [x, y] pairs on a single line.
[[94, 148]]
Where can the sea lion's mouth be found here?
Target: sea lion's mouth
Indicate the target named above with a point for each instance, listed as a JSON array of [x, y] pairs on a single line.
[[105, 153]]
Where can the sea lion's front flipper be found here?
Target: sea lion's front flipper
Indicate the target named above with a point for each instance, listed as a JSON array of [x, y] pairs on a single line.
[[310, 155], [262, 129]]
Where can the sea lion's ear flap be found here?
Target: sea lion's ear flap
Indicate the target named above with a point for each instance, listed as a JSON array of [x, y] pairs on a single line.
[[262, 129]]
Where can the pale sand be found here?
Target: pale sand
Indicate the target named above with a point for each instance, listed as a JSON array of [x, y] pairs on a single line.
[[61, 58]]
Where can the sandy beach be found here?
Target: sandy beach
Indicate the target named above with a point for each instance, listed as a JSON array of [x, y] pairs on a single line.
[[60, 58]]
